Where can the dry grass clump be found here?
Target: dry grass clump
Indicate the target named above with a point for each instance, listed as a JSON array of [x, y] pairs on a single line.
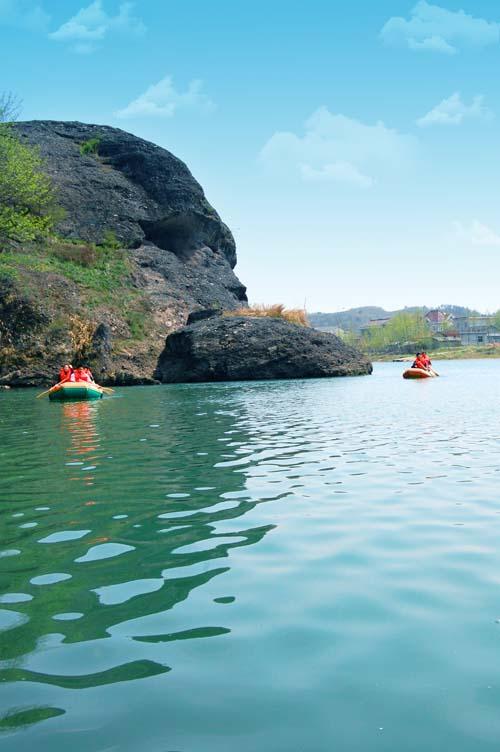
[[80, 332], [276, 311], [84, 255]]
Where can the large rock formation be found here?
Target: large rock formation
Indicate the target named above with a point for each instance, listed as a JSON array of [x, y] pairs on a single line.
[[177, 256], [130, 186], [239, 347], [139, 252]]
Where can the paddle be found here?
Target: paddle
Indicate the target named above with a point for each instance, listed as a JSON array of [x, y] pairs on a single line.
[[107, 389], [44, 394]]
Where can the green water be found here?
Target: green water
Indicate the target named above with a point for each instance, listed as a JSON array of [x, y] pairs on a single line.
[[304, 566]]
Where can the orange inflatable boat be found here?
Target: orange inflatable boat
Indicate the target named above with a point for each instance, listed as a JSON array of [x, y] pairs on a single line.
[[417, 373]]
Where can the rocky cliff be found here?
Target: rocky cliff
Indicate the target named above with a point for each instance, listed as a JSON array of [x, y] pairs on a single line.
[[233, 348], [138, 253], [138, 248]]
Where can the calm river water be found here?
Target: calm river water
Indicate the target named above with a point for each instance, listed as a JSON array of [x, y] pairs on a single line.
[[307, 566]]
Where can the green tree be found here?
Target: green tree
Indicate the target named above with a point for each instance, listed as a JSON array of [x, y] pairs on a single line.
[[496, 320], [404, 330], [28, 206], [350, 338]]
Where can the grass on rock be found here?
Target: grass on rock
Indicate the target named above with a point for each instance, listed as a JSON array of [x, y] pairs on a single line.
[[101, 272], [96, 267], [276, 311]]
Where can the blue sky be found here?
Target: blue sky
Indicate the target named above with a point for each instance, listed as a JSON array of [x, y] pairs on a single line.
[[352, 147]]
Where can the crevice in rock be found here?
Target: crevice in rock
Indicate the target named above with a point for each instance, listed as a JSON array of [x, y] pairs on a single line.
[[240, 291], [176, 234], [183, 233]]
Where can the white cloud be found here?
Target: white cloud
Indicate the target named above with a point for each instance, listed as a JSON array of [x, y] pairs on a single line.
[[163, 100], [433, 44], [337, 148], [92, 25], [437, 29], [343, 172], [453, 111], [477, 234], [23, 14]]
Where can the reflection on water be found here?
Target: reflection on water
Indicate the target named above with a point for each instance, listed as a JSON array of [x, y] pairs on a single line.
[[362, 618], [136, 547], [79, 420]]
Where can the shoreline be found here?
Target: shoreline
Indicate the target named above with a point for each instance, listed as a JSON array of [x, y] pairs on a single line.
[[468, 352]]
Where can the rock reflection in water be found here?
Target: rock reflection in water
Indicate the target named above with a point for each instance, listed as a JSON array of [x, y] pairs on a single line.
[[137, 614], [142, 543]]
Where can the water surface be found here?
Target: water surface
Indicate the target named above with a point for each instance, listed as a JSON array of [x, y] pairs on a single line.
[[279, 566]]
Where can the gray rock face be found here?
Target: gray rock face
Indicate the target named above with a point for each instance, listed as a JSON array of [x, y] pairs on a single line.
[[202, 280], [130, 186], [99, 355], [202, 314], [243, 348], [179, 258]]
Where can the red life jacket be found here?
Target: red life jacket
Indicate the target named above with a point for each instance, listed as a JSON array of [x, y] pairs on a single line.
[[64, 375]]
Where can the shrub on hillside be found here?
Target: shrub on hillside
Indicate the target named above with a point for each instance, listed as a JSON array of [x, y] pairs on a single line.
[[110, 241], [28, 206], [90, 147]]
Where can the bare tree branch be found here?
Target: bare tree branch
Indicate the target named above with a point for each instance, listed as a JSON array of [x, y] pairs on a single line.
[[10, 107]]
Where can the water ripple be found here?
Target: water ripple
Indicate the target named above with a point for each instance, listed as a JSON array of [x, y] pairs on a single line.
[[354, 524]]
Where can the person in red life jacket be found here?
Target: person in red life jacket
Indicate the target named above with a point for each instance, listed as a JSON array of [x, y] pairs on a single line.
[[65, 373], [89, 374], [419, 362], [80, 375], [425, 359], [428, 364]]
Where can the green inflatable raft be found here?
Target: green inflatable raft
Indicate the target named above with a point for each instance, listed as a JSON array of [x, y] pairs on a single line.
[[76, 390]]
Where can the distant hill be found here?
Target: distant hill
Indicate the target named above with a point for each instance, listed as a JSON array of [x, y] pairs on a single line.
[[353, 319]]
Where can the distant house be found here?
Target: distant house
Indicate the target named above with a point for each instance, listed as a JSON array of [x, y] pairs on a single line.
[[448, 337], [438, 320], [375, 324], [476, 330]]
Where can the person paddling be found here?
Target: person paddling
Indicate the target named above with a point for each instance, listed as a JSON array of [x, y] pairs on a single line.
[[81, 375], [68, 374], [419, 362], [65, 373], [428, 363]]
